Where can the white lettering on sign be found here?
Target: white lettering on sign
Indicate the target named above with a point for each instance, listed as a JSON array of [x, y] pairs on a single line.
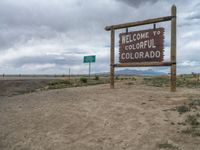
[[134, 37], [141, 55], [142, 46]]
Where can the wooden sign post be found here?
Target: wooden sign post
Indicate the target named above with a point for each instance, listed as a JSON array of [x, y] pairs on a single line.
[[144, 48], [112, 58], [173, 49]]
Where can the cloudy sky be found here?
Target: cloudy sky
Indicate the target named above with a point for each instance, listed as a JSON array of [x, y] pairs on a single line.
[[51, 36]]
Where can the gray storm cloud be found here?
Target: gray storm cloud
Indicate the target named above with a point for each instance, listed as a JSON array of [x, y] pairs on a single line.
[[21, 20], [137, 3], [74, 28], [195, 15]]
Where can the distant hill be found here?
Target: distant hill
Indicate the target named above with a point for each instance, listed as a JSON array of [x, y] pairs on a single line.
[[138, 72]]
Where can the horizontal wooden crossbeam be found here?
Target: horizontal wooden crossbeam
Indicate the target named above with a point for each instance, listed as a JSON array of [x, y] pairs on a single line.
[[138, 23], [142, 64]]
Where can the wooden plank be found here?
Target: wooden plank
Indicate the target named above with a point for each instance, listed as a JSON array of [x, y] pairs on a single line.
[[146, 64], [173, 49], [138, 23], [112, 58]]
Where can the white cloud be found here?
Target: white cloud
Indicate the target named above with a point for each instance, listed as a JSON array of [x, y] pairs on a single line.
[[38, 67], [189, 64], [56, 34]]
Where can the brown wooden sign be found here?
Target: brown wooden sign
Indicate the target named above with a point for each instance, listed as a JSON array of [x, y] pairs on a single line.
[[141, 46]]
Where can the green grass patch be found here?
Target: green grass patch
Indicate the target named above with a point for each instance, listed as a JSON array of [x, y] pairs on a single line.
[[133, 79], [83, 79], [194, 102], [96, 77], [157, 81], [58, 84], [192, 131], [194, 125], [78, 82], [192, 120], [116, 77], [167, 145], [164, 81], [183, 109], [187, 82]]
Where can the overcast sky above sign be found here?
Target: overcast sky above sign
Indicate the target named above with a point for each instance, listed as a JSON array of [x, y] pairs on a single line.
[[42, 36]]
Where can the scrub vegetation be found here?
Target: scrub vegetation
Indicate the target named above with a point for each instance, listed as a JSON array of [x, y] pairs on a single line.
[[76, 82], [131, 116], [167, 145], [164, 81], [191, 112], [20, 86]]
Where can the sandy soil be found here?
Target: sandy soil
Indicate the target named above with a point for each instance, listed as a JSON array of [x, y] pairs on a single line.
[[130, 117]]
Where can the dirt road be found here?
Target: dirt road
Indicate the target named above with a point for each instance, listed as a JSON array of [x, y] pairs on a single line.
[[130, 117]]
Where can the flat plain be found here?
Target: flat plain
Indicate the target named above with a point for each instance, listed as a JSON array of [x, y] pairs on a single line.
[[133, 116]]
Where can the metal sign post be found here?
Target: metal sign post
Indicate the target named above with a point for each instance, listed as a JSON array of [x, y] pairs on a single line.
[[89, 68], [69, 74], [144, 48]]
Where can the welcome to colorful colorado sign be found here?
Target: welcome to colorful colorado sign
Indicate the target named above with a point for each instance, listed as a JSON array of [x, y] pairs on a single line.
[[141, 46]]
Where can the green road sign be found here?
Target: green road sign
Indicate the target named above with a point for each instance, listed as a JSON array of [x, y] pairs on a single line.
[[89, 59]]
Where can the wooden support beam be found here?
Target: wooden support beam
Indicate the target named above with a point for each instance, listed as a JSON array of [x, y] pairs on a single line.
[[142, 64], [172, 63], [138, 23], [112, 58], [173, 49]]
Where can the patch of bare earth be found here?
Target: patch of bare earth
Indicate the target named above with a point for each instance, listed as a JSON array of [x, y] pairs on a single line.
[[130, 117]]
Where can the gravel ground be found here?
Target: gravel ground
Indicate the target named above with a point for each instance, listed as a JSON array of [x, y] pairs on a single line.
[[130, 117]]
